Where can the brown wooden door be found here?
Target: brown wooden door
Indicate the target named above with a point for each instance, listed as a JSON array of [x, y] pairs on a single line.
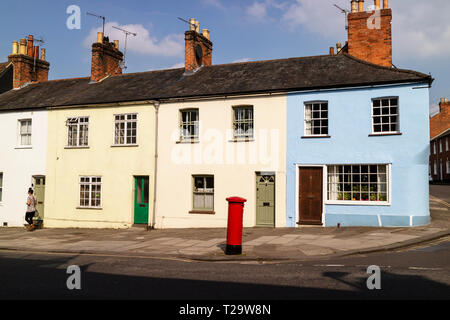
[[310, 196]]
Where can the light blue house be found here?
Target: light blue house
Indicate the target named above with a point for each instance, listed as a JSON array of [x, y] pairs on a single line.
[[362, 160], [358, 148]]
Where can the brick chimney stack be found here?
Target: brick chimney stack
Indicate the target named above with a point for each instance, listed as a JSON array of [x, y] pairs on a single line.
[[106, 58], [198, 47], [28, 66], [370, 33]]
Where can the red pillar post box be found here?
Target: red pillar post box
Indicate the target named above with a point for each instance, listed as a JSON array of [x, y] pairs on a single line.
[[235, 224]]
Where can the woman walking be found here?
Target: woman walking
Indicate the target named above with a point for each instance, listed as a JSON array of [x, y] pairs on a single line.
[[31, 209]]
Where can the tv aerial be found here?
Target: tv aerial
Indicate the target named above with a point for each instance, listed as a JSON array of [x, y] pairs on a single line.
[[189, 23], [127, 33], [345, 12], [100, 17]]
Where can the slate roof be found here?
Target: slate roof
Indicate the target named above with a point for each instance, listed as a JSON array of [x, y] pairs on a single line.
[[284, 75], [3, 66]]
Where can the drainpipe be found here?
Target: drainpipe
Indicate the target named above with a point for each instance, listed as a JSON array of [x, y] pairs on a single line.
[[156, 105]]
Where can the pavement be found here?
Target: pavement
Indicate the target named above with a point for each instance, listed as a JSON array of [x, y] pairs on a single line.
[[259, 244]]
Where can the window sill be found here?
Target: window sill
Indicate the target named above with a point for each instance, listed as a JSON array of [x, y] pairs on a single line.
[[78, 147], [187, 141], [385, 134], [316, 137], [124, 145], [359, 203], [201, 212], [242, 140], [89, 208], [23, 147]]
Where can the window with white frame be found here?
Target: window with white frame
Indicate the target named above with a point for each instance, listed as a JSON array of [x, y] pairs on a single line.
[[434, 147], [25, 132], [385, 115], [1, 186], [78, 132], [125, 129], [358, 183], [448, 170], [435, 168], [90, 192], [440, 146], [203, 193], [243, 122], [446, 144], [316, 118], [189, 125]]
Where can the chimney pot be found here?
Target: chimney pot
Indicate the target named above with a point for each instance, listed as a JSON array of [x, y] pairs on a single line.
[[442, 100], [197, 26], [15, 47], [116, 44], [339, 47], [205, 33], [354, 6], [36, 52], [99, 37], [23, 46], [43, 54], [361, 6], [385, 4], [30, 46], [377, 4], [192, 24], [331, 51]]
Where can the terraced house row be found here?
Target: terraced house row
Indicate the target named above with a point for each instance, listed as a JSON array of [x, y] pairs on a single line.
[[333, 139]]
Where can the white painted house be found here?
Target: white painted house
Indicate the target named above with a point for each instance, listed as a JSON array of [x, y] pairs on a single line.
[[23, 147], [23, 135]]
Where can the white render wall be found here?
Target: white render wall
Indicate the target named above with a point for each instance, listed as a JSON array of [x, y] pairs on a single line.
[[216, 155], [19, 164]]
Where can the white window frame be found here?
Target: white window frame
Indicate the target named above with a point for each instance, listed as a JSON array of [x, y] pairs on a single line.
[[90, 184], [447, 165], [126, 123], [204, 191], [435, 168], [190, 123], [446, 144], [1, 187], [388, 115], [362, 202], [308, 119], [70, 122], [20, 134], [440, 145], [250, 122]]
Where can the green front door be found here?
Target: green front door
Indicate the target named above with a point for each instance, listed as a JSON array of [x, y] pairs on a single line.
[[39, 193], [265, 200], [141, 196]]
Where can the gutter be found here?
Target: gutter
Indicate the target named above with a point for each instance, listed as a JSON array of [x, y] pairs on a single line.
[[156, 105]]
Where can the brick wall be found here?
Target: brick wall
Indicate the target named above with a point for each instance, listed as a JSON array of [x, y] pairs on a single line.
[[27, 69], [105, 61], [371, 44], [192, 39], [439, 156]]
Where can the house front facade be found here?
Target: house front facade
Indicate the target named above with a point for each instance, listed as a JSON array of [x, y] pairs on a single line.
[[23, 129]]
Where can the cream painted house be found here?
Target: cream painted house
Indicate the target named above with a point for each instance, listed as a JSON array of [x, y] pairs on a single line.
[[102, 166], [209, 156]]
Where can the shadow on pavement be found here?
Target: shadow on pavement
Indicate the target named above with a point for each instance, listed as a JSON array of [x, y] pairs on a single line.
[[33, 278]]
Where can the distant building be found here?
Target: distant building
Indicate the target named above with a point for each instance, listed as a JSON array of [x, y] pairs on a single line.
[[440, 140]]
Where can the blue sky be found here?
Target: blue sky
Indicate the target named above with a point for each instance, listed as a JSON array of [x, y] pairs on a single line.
[[241, 30]]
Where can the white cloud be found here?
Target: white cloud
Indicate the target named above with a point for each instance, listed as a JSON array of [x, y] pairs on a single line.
[[143, 43], [241, 60], [257, 10], [214, 3], [421, 28], [177, 65]]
